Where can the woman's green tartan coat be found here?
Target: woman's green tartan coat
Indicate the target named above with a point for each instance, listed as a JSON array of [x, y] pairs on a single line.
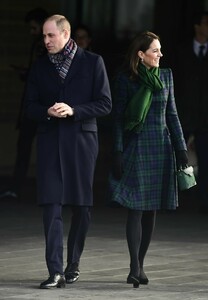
[[149, 169]]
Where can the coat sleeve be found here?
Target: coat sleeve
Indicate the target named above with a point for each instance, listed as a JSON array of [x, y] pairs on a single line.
[[101, 103], [172, 118], [35, 107]]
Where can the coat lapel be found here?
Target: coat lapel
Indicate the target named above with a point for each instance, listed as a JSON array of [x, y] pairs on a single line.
[[75, 65]]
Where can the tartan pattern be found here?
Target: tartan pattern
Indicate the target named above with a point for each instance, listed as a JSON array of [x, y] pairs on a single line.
[[149, 178]]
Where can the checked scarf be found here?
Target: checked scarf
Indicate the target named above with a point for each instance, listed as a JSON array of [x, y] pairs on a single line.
[[63, 59]]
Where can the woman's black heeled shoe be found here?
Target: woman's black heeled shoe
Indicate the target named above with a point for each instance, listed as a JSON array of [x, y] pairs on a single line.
[[143, 278], [134, 280]]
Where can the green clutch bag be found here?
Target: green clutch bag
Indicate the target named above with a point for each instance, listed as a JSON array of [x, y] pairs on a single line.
[[186, 178]]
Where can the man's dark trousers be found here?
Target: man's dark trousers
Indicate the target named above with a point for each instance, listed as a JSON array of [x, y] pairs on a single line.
[[53, 228]]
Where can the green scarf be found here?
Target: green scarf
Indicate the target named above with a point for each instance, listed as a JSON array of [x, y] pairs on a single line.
[[139, 104]]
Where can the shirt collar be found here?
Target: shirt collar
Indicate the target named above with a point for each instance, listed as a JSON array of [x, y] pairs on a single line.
[[196, 46]]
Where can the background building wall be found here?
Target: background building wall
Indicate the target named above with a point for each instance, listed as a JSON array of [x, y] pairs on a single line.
[[14, 50], [113, 24]]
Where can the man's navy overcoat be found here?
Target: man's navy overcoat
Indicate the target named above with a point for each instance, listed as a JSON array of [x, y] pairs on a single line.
[[67, 148]]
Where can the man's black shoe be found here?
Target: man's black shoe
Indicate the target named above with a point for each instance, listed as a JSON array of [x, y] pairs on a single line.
[[55, 281], [72, 272]]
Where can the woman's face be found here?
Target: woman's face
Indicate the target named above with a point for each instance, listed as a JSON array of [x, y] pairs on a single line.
[[151, 57]]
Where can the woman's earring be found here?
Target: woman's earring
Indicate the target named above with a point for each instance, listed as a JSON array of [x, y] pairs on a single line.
[[142, 59]]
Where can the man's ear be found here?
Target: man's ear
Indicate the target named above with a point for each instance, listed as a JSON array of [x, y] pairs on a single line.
[[66, 34]]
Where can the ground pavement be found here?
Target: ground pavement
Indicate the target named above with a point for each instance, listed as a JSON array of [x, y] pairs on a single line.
[[176, 263]]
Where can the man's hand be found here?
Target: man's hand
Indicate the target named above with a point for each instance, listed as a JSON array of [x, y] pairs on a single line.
[[60, 110]]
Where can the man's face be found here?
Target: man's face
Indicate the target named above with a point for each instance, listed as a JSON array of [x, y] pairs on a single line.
[[54, 39], [203, 27], [82, 38], [35, 28]]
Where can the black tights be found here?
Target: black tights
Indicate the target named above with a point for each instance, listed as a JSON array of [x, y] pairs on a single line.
[[139, 229]]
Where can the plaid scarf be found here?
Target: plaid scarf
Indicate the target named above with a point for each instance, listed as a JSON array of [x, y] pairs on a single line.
[[62, 60]]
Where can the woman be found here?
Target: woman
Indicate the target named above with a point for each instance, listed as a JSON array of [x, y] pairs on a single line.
[[147, 138]]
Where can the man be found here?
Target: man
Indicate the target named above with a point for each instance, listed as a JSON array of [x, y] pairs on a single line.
[[27, 128], [191, 90], [67, 89], [83, 37]]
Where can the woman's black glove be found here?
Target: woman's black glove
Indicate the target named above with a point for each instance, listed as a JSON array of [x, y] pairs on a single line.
[[181, 159], [117, 165]]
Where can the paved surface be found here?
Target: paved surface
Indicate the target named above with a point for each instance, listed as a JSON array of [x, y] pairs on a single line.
[[176, 264]]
